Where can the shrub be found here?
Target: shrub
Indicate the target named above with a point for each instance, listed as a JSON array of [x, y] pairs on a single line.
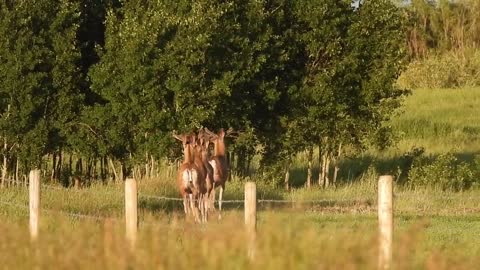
[[406, 162], [448, 70], [444, 172]]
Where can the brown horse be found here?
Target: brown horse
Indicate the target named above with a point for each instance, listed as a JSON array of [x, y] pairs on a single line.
[[191, 180], [219, 164]]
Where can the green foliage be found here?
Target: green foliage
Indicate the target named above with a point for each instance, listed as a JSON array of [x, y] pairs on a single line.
[[353, 56], [287, 75], [38, 75], [444, 172], [134, 109], [407, 160]]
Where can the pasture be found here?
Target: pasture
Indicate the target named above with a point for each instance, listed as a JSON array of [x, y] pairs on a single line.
[[84, 228], [441, 120]]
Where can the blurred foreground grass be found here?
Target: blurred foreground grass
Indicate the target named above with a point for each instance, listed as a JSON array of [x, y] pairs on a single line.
[[433, 230]]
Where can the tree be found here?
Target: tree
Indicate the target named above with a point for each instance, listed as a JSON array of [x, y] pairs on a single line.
[[38, 76]]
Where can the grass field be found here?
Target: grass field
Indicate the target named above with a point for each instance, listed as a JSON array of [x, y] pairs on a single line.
[[445, 120], [84, 229]]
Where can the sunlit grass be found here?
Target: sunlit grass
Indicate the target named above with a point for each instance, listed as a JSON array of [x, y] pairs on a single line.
[[441, 120], [310, 237]]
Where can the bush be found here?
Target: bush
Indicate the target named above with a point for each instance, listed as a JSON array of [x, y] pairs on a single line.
[[447, 70], [444, 172], [406, 162]]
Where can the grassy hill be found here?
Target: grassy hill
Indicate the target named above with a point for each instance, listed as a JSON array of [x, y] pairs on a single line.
[[441, 120]]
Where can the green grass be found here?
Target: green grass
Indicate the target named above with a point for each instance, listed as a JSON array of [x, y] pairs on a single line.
[[438, 228], [441, 120]]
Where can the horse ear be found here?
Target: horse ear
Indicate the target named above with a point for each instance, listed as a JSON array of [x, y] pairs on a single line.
[[178, 137], [229, 131], [221, 133], [210, 135]]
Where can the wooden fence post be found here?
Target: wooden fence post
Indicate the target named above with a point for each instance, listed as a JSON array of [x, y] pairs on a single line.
[[131, 214], [251, 216], [34, 202], [385, 221]]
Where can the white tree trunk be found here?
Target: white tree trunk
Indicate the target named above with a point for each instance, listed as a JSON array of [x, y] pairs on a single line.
[[5, 161]]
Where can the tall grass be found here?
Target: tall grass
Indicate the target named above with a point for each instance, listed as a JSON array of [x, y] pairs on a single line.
[[432, 231], [441, 120]]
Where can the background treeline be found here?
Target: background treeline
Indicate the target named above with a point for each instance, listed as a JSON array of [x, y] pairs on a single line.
[[94, 89], [444, 43]]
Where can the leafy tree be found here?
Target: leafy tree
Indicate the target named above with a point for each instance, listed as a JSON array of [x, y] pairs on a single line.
[[38, 75], [184, 65], [353, 57]]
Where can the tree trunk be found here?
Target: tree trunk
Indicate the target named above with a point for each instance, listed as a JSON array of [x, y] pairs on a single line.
[[54, 167], [287, 174], [336, 163], [324, 169], [309, 169], [113, 169], [5, 161], [59, 165], [147, 165], [17, 179], [125, 172], [89, 169], [320, 165], [79, 167], [327, 170], [70, 162], [249, 161], [232, 163], [95, 173], [152, 167], [102, 168]]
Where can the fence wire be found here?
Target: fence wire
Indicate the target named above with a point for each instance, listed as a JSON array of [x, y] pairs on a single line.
[[61, 212], [142, 222], [230, 201]]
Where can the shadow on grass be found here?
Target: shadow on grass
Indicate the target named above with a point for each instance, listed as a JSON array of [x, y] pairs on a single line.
[[352, 169], [155, 207]]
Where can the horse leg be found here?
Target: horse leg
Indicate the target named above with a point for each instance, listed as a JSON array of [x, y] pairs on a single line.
[[185, 205], [201, 206], [205, 205], [212, 197], [220, 195], [192, 206]]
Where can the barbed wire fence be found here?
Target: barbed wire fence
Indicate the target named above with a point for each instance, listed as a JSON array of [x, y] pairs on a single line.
[[77, 215], [131, 195]]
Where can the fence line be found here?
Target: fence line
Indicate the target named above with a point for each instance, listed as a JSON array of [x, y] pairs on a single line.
[[232, 201], [385, 213], [142, 222], [66, 213]]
